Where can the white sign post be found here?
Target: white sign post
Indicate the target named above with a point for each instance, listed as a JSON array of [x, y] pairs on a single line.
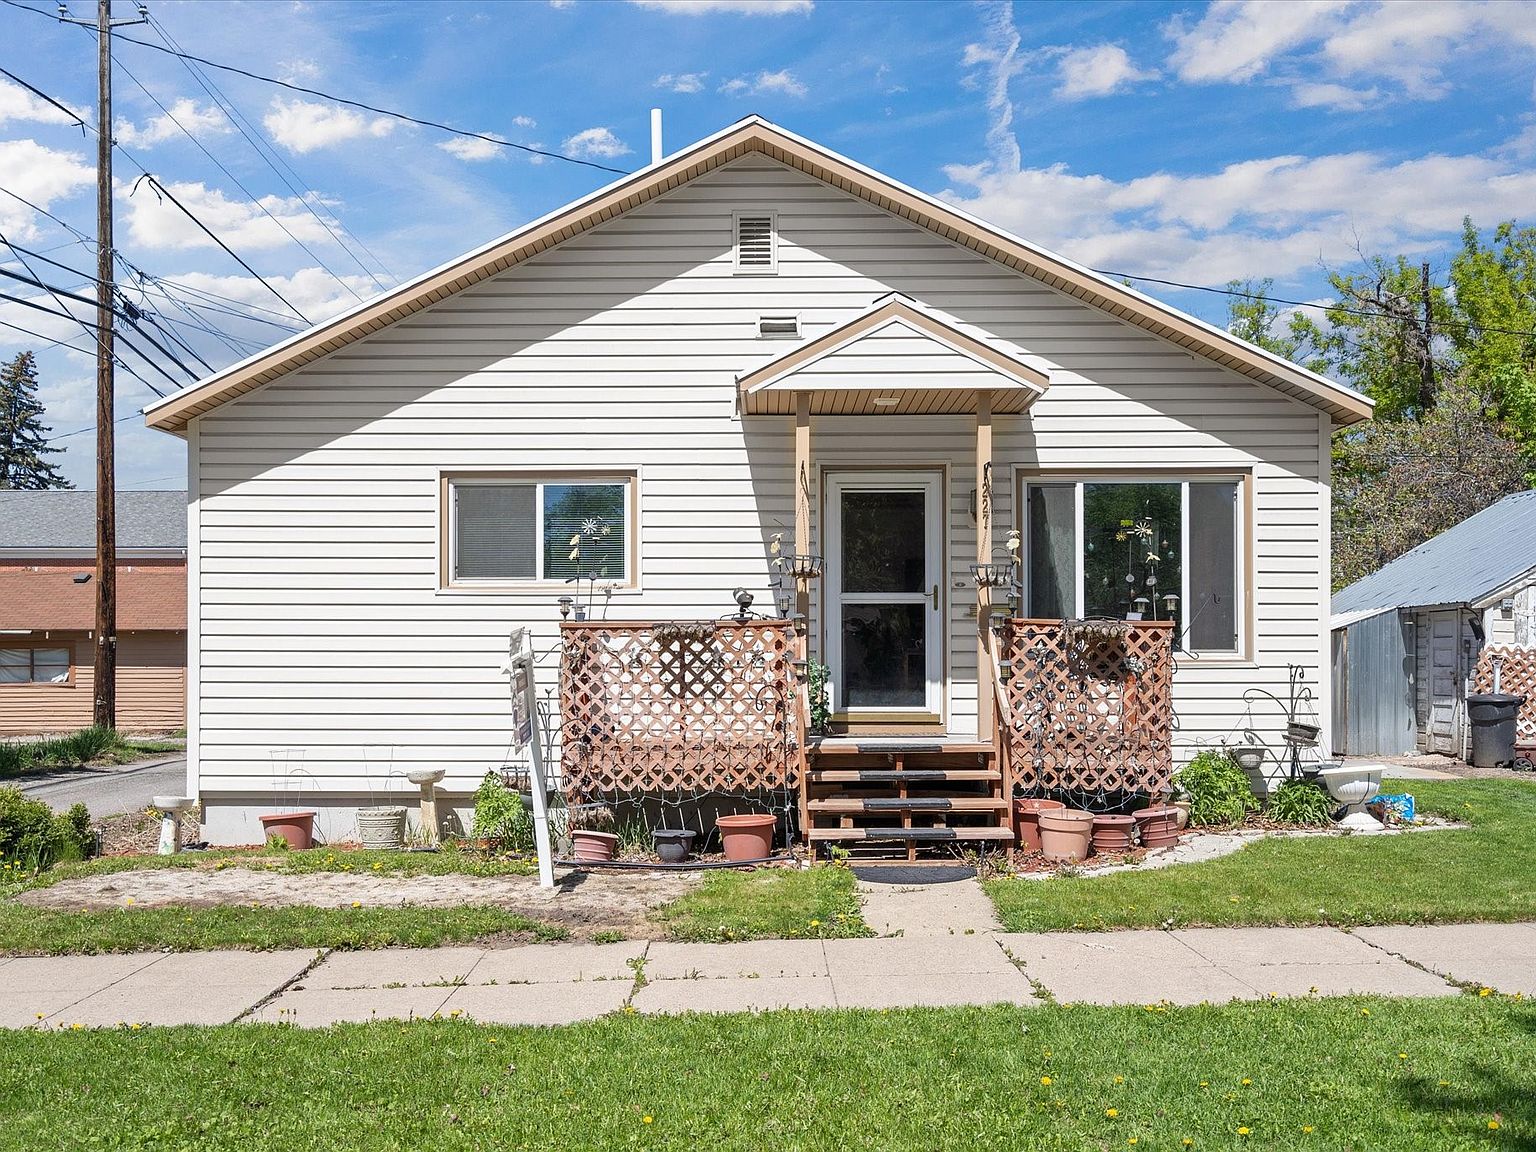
[[526, 733]]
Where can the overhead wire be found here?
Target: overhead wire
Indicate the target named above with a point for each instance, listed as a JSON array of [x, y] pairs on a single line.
[[33, 304]]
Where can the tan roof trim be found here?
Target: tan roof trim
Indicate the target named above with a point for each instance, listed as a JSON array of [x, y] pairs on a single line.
[[893, 309], [754, 134]]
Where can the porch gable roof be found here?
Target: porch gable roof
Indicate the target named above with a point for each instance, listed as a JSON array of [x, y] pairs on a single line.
[[897, 357]]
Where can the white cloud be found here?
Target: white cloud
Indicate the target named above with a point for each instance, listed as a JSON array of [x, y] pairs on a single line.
[[782, 82], [589, 142], [1099, 70], [999, 57], [16, 103], [156, 223], [313, 291], [470, 148], [1327, 49], [738, 7], [684, 82], [41, 175], [304, 126], [525, 121], [1275, 216], [208, 121], [1338, 97]]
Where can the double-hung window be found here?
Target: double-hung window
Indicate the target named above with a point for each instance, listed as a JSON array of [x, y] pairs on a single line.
[[1138, 550], [545, 529], [34, 666]]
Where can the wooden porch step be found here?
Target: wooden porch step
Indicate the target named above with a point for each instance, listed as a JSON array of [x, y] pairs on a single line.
[[898, 775], [912, 835], [891, 747], [857, 804]]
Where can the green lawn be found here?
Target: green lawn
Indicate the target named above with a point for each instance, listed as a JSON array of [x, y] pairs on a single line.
[[1375, 1074], [773, 903], [1486, 872]]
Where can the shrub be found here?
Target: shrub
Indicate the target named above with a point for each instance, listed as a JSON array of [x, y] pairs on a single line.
[[500, 817], [1218, 790], [32, 837], [85, 745], [1299, 802]]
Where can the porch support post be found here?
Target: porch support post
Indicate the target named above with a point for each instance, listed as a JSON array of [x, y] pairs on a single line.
[[984, 670], [803, 511]]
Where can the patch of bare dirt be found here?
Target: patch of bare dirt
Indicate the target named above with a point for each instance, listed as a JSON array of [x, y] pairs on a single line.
[[585, 902], [135, 833]]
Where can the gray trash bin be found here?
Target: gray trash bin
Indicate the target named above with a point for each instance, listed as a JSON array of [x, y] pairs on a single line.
[[1493, 728]]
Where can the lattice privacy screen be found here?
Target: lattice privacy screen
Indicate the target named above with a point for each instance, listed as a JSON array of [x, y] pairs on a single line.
[[684, 707], [1517, 676], [1089, 705]]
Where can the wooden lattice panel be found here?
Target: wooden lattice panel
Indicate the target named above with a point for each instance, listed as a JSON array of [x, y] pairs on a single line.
[[1517, 676], [1089, 706], [681, 707]]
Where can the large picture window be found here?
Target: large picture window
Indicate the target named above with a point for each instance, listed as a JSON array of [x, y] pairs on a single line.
[[540, 530], [34, 666], [1138, 550]]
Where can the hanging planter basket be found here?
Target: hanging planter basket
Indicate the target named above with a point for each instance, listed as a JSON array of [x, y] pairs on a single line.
[[992, 575]]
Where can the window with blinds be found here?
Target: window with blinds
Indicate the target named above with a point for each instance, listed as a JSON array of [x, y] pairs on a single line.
[[534, 530], [756, 250]]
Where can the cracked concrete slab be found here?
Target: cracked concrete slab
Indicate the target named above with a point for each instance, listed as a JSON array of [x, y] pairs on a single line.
[[387, 967], [1278, 946], [757, 959], [1122, 968], [899, 901], [1501, 956], [320, 1007], [81, 975], [735, 994], [929, 990], [900, 956], [542, 1004], [559, 963]]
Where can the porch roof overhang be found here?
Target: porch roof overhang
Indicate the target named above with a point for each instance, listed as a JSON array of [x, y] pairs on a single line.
[[897, 357]]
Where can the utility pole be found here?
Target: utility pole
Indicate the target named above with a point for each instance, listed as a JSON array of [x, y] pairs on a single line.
[[104, 708]]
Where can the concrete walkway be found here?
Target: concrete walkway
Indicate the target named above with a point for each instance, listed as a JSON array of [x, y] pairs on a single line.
[[546, 984]]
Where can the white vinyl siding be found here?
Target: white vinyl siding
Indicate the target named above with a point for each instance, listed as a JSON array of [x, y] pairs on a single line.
[[323, 626]]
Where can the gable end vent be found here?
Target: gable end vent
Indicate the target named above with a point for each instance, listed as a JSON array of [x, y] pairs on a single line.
[[755, 247], [778, 326]]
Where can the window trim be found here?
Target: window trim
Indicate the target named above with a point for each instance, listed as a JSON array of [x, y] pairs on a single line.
[[1243, 568], [19, 643], [448, 582], [772, 267]]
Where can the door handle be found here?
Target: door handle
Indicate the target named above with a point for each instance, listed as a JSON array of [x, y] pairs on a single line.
[[935, 597]]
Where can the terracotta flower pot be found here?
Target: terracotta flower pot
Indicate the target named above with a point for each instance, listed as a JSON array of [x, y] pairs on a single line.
[[1066, 834], [673, 844], [1026, 820], [296, 828], [589, 845], [747, 835], [1113, 833], [1158, 825]]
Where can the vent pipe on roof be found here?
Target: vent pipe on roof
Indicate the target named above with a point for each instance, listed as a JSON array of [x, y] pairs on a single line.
[[655, 135]]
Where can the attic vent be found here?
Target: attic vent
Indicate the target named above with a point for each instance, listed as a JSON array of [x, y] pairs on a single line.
[[778, 325], [755, 247]]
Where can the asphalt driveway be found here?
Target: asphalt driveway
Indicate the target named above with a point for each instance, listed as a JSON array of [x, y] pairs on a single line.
[[109, 791]]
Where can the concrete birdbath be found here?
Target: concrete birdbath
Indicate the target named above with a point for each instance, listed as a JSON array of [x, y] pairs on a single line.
[[1354, 785], [171, 809], [427, 780]]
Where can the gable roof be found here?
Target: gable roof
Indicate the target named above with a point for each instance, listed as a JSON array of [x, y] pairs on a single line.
[[755, 134], [955, 364], [53, 520], [1483, 555]]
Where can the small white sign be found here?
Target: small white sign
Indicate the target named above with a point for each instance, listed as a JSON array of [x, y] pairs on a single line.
[[524, 712]]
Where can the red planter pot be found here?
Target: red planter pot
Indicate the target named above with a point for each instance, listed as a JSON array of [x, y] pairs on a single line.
[[296, 828], [1113, 833], [1026, 820], [1066, 835], [748, 835], [594, 846], [1158, 825]]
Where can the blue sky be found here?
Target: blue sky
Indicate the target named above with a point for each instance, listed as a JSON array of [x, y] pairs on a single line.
[[1192, 142]]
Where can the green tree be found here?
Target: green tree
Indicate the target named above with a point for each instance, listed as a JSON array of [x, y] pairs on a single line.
[[1253, 317], [1495, 339], [24, 447]]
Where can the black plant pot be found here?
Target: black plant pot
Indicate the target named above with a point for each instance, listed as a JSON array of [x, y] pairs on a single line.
[[673, 844]]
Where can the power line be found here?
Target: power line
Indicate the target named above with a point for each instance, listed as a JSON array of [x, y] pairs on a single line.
[[255, 200], [272, 158], [41, 95], [159, 187], [48, 341], [66, 315]]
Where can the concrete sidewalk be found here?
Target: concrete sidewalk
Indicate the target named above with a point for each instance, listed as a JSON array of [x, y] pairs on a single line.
[[546, 984]]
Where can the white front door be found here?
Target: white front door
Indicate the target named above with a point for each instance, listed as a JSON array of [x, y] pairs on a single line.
[[884, 589]]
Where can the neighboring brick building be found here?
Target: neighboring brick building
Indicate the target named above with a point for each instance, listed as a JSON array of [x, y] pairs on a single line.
[[48, 611]]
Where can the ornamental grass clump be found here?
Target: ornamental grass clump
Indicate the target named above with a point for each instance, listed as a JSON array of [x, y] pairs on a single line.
[[1299, 802], [1218, 790]]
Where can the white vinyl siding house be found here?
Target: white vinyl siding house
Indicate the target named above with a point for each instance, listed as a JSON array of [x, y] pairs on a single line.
[[332, 633]]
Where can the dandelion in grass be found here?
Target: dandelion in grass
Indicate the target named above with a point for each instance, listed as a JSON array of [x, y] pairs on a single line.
[[1111, 1112], [1046, 1080], [1119, 1079], [1485, 991], [1246, 1082], [1307, 1129], [1402, 1055], [1242, 1131], [1493, 1125], [1445, 1083], [647, 1119]]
